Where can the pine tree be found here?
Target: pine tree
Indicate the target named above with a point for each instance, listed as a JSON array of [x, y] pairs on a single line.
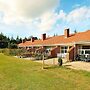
[[75, 31]]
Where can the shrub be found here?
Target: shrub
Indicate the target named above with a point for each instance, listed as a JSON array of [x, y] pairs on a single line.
[[12, 52], [38, 57], [13, 46], [60, 61]]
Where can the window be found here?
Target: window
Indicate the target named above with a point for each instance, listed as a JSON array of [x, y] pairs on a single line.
[[64, 49], [84, 50], [81, 52], [87, 52], [85, 47]]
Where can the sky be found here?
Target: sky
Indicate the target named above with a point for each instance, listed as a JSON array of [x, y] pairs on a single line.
[[34, 17]]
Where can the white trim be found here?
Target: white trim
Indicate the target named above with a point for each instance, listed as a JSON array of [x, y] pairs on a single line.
[[62, 44], [83, 42]]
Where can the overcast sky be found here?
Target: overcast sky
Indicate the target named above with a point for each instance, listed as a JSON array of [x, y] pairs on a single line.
[[34, 17]]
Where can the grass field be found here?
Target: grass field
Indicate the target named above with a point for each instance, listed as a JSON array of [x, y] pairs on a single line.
[[17, 74]]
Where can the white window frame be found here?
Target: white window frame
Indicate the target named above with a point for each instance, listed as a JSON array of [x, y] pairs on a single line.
[[64, 49], [82, 51]]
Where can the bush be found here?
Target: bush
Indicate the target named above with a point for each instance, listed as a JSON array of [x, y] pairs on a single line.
[[12, 52], [38, 57], [1, 50], [60, 61], [13, 46]]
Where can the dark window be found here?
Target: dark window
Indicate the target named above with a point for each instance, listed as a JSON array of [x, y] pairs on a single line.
[[82, 52], [87, 52], [64, 49], [85, 47]]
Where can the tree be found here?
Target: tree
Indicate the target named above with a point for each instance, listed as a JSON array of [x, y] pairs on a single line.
[[13, 46], [75, 31], [12, 40], [25, 39], [29, 38], [8, 39], [54, 35], [20, 40], [35, 38], [17, 40], [3, 41], [2, 37]]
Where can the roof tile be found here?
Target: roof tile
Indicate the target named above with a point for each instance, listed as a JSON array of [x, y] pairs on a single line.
[[81, 36]]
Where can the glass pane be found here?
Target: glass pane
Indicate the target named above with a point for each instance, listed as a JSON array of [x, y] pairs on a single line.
[[82, 52], [87, 52], [62, 51], [86, 47], [66, 47], [62, 47], [65, 51]]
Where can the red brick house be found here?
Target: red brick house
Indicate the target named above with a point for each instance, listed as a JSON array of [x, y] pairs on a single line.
[[67, 45]]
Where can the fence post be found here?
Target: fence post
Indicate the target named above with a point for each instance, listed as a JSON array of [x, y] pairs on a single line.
[[43, 62], [53, 61]]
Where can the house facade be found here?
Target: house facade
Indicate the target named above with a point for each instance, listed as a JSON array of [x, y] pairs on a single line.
[[66, 46]]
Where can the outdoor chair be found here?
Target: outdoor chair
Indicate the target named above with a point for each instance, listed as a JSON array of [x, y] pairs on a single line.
[[83, 58], [88, 58], [77, 57]]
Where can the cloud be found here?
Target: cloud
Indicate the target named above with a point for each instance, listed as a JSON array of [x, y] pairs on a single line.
[[61, 15], [76, 5], [35, 8], [40, 14], [79, 15], [78, 18], [47, 21], [25, 9]]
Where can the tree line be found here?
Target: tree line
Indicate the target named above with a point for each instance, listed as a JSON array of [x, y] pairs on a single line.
[[7, 42]]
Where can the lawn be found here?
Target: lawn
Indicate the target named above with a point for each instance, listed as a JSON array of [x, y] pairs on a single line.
[[19, 74]]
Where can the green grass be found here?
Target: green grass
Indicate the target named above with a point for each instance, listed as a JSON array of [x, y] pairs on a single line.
[[17, 74]]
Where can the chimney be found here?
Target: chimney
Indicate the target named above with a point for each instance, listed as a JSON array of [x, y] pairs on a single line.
[[66, 33], [44, 36], [32, 39]]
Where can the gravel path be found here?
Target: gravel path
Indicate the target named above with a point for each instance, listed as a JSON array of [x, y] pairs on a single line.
[[49, 61], [79, 65]]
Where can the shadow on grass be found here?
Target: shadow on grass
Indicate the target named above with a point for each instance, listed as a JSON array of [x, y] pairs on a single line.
[[52, 67], [67, 65]]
